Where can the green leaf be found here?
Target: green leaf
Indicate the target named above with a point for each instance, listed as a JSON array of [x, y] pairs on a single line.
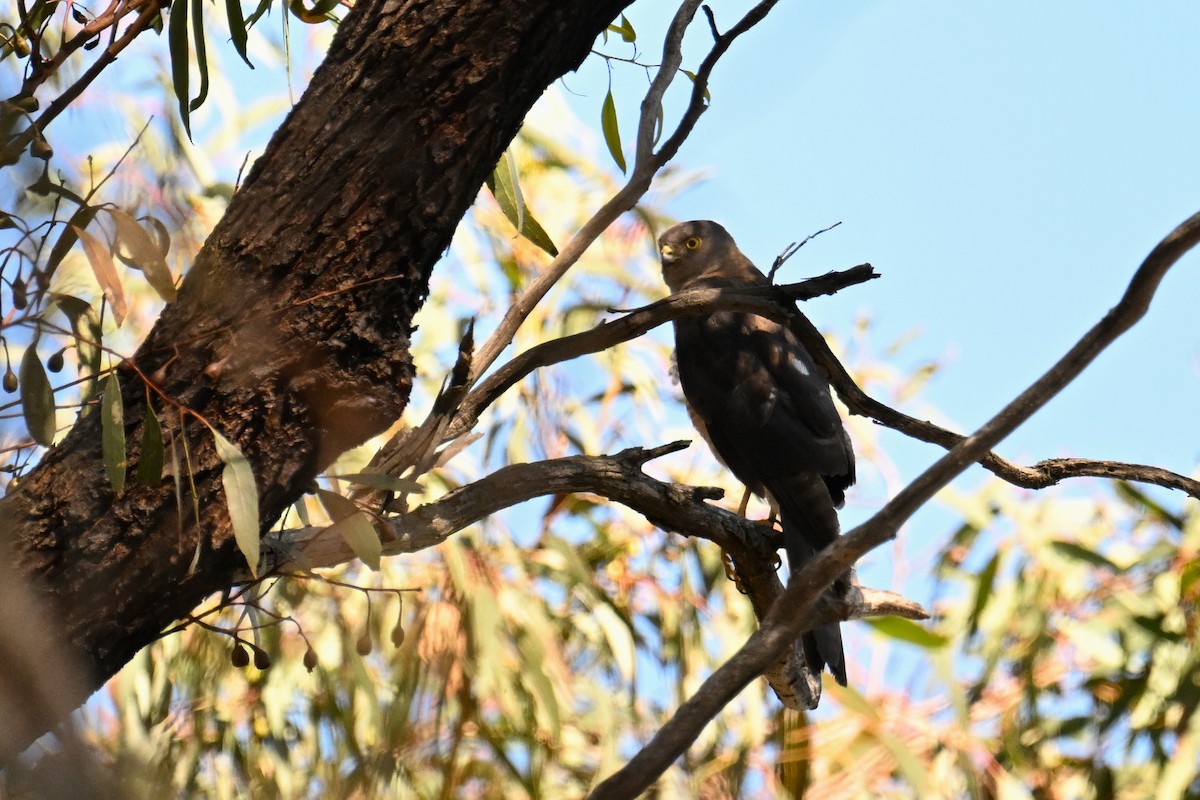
[[361, 536], [320, 11], [906, 630], [983, 592], [692, 76], [66, 240], [533, 675], [150, 460], [387, 483], [353, 525], [177, 39], [241, 495], [37, 398], [85, 325], [514, 186], [237, 29], [143, 253], [612, 133], [1077, 552], [112, 428], [907, 763], [503, 187], [625, 29], [201, 55]]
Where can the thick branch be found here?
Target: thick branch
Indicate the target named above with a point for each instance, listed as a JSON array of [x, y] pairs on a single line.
[[794, 609], [669, 506]]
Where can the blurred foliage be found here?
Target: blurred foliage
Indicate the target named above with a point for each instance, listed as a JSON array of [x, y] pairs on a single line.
[[531, 654]]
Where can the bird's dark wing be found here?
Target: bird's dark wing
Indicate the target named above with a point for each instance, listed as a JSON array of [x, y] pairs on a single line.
[[767, 411], [770, 418]]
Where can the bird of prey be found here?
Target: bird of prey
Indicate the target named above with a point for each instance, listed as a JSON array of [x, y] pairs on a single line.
[[756, 397]]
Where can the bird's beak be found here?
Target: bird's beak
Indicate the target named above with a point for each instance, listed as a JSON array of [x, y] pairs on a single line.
[[668, 253]]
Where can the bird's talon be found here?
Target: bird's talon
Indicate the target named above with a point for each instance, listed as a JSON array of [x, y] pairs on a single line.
[[731, 571]]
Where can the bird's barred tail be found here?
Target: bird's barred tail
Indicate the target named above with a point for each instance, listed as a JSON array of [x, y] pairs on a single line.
[[810, 523]]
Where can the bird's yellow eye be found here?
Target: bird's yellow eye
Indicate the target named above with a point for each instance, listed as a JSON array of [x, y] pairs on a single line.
[[692, 243]]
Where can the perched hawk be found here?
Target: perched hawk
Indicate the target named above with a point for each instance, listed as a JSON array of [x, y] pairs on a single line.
[[756, 397]]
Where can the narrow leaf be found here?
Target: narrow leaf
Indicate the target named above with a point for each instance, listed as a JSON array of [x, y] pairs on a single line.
[[237, 28], [112, 429], [508, 196], [983, 593], [143, 253], [388, 483], [908, 631], [201, 55], [692, 76], [150, 459], [612, 134], [177, 38], [66, 240], [242, 496], [313, 16], [535, 233], [626, 30], [360, 534], [514, 186], [1077, 552], [353, 525], [37, 398], [337, 506], [85, 325], [105, 271]]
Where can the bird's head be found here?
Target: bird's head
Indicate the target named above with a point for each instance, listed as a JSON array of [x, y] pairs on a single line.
[[700, 249]]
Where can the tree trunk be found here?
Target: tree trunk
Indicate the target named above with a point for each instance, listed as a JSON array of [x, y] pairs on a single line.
[[291, 332]]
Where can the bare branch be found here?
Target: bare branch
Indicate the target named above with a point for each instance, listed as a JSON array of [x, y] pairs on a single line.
[[669, 506], [796, 608], [109, 19]]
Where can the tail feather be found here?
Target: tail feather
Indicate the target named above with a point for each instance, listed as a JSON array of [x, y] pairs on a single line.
[[810, 524]]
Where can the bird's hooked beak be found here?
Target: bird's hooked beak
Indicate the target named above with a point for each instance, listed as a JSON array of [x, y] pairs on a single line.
[[668, 253]]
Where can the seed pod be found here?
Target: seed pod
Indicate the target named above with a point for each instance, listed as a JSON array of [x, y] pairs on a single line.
[[55, 362], [364, 644], [398, 635], [310, 659], [40, 148], [239, 657], [20, 294], [261, 659], [10, 381]]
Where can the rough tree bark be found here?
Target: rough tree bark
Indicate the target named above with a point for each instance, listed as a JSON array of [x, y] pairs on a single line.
[[291, 332]]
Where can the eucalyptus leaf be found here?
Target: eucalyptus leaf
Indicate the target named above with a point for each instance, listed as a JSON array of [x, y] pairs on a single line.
[[37, 398], [611, 131], [177, 39], [241, 494], [150, 459], [106, 273], [143, 253], [112, 433], [908, 631]]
